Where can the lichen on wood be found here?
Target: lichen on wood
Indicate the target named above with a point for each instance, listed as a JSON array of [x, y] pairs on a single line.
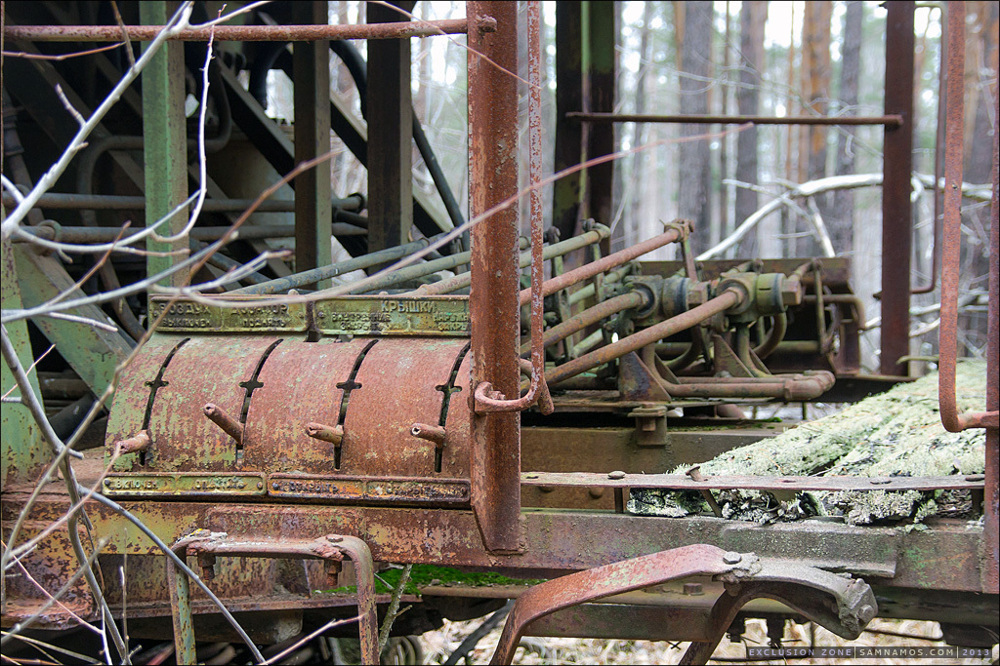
[[896, 433]]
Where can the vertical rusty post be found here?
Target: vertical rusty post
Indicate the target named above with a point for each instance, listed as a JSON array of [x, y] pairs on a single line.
[[390, 133], [951, 250], [313, 214], [897, 211], [991, 528], [165, 133], [493, 302]]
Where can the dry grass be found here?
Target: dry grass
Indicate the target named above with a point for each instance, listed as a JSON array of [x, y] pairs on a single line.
[[440, 644]]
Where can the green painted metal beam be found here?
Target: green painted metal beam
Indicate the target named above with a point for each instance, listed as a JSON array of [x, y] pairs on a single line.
[[165, 132], [93, 353], [24, 452]]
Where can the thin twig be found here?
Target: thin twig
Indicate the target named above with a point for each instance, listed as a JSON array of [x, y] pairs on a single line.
[[393, 610]]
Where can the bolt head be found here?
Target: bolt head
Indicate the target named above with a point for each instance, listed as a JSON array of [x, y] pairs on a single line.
[[693, 589], [732, 558], [334, 539]]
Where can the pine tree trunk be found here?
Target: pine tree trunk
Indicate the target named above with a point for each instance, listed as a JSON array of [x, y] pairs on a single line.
[[841, 219], [753, 16], [696, 56]]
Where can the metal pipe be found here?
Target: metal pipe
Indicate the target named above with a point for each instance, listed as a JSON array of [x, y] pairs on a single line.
[[591, 289], [421, 270], [250, 33], [538, 390], [592, 315], [85, 235], [789, 389], [890, 120], [68, 201], [677, 231], [951, 249], [326, 272], [727, 299], [448, 285]]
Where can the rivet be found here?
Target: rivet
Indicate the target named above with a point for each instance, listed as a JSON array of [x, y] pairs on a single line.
[[879, 482], [260, 485], [732, 558], [107, 482], [975, 477], [617, 474], [531, 475], [596, 493], [334, 539]]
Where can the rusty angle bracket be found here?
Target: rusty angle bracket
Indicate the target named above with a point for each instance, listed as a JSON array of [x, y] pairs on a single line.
[[841, 604]]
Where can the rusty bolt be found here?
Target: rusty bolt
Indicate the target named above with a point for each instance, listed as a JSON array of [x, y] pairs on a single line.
[[207, 563], [616, 475], [431, 433], [732, 558], [791, 290], [332, 434], [693, 589], [866, 613], [134, 444], [695, 473]]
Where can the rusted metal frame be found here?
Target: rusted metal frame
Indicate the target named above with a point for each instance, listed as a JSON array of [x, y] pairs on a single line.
[[330, 548], [892, 120], [693, 317], [313, 187], [677, 231], [390, 133], [786, 483], [253, 33], [492, 100], [558, 540], [897, 210], [486, 399], [559, 249], [590, 316], [952, 239], [610, 579]]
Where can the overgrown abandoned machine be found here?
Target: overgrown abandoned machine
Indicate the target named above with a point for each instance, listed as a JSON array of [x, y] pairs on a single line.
[[275, 440]]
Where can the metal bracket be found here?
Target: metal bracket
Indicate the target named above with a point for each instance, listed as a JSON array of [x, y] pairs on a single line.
[[841, 604], [331, 548]]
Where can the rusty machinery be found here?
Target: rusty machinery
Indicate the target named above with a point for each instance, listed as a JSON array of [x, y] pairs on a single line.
[[290, 440]]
